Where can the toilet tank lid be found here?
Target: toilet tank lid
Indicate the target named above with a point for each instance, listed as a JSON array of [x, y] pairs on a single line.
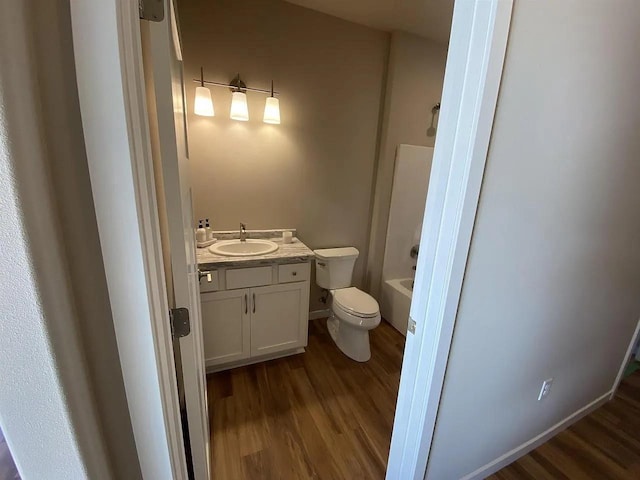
[[330, 253]]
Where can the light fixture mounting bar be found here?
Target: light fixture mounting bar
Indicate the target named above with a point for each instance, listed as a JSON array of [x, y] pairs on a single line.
[[226, 85]]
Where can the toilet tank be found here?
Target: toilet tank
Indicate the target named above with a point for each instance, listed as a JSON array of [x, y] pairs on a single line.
[[334, 267]]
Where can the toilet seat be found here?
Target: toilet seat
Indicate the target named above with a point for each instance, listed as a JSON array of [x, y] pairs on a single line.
[[360, 323], [355, 307], [356, 302]]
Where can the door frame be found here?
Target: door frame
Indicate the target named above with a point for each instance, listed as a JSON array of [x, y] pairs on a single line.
[[163, 55], [473, 73], [108, 60]]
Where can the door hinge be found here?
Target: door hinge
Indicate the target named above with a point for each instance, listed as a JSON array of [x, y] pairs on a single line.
[[180, 323], [152, 10], [412, 326]]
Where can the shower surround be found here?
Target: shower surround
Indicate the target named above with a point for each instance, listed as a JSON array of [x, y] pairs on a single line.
[[408, 197]]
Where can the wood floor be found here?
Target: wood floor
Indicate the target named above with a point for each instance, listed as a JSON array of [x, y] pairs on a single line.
[[605, 445], [320, 415], [317, 415]]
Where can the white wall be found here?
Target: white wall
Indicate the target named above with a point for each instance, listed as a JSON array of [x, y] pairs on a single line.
[[315, 171], [414, 86], [53, 413], [551, 286], [69, 174], [23, 394], [126, 216]]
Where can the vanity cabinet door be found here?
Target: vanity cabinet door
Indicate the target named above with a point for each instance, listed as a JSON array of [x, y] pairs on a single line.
[[225, 324], [279, 317]]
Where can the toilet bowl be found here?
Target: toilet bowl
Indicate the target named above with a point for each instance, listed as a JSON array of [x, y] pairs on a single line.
[[353, 312]]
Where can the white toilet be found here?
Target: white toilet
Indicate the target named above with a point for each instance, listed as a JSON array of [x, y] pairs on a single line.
[[353, 312]]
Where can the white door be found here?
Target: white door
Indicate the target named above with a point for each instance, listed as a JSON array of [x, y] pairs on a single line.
[[225, 326], [171, 111], [279, 317]]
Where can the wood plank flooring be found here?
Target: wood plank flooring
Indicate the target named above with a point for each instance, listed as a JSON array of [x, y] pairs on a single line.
[[604, 445], [320, 415], [316, 415]]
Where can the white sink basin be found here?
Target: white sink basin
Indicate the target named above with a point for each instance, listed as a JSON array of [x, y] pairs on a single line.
[[236, 248]]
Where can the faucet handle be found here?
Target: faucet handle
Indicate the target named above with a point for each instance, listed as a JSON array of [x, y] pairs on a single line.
[[242, 226]]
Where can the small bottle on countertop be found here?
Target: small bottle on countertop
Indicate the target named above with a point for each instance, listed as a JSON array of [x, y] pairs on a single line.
[[207, 228], [201, 233]]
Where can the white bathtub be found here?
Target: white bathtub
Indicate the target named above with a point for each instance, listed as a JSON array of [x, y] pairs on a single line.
[[396, 302]]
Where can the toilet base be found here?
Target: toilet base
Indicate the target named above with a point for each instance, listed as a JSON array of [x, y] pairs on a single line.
[[353, 342]]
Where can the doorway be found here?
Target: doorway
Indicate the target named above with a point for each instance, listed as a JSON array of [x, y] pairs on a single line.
[[434, 230], [355, 99]]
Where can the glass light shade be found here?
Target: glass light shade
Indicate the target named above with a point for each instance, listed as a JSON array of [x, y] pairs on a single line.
[[239, 110], [203, 104], [272, 111]]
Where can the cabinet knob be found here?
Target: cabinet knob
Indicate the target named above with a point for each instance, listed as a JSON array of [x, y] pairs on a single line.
[[294, 273]]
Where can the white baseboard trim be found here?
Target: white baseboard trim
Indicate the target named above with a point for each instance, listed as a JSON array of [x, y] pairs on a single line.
[[627, 358], [315, 314], [213, 368], [511, 456]]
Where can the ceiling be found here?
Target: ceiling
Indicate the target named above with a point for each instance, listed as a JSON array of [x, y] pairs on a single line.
[[427, 18]]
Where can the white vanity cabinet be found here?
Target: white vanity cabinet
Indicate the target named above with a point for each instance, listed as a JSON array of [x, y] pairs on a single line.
[[279, 317], [263, 315], [225, 326]]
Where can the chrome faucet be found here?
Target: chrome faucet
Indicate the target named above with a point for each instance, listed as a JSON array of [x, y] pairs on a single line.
[[243, 232]]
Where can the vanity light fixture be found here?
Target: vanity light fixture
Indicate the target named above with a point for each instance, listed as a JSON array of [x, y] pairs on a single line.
[[271, 109], [239, 109], [203, 104]]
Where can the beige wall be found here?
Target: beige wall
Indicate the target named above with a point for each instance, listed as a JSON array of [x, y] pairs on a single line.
[[313, 172], [551, 286], [414, 86]]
